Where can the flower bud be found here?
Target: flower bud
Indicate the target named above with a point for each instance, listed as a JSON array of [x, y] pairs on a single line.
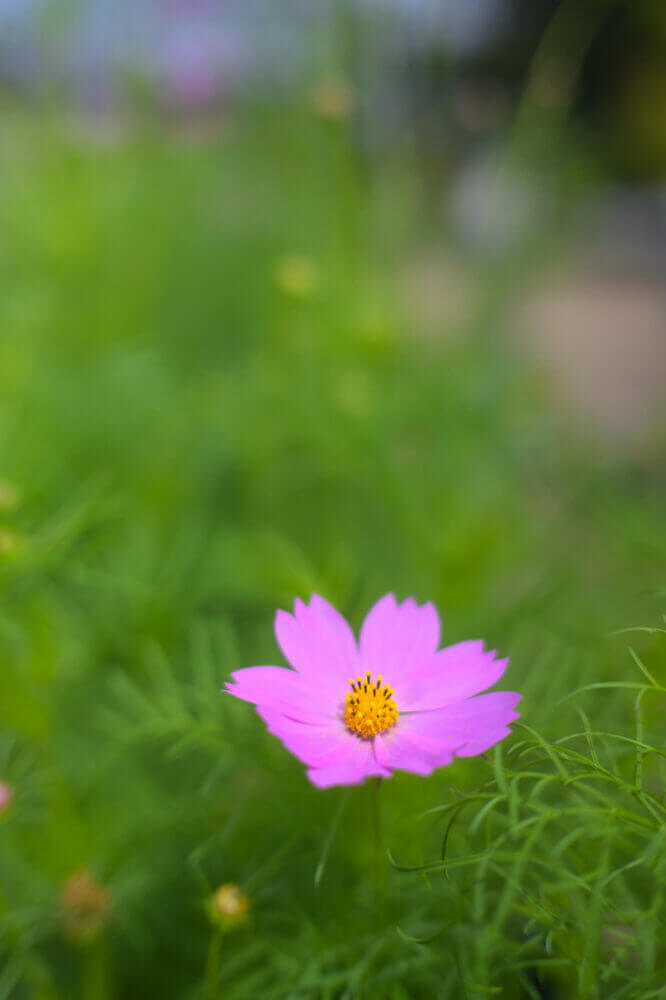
[[9, 496], [9, 543], [85, 907], [295, 276], [229, 905], [333, 98]]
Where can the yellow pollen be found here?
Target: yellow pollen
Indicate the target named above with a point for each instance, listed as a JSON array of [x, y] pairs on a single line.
[[369, 708]]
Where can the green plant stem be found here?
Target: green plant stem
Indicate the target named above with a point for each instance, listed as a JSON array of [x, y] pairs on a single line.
[[379, 860], [319, 871], [213, 963], [95, 971]]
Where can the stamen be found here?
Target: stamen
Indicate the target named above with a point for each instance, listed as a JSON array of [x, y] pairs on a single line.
[[369, 708]]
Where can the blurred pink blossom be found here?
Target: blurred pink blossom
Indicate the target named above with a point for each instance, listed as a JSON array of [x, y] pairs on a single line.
[[6, 795]]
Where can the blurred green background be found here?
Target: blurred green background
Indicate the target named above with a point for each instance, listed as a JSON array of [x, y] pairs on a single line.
[[348, 325]]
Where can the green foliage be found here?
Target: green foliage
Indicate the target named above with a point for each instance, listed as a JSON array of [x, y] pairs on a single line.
[[562, 876], [191, 448]]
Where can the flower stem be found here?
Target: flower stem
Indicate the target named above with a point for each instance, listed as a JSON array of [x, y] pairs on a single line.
[[95, 971], [380, 869], [319, 871], [213, 964]]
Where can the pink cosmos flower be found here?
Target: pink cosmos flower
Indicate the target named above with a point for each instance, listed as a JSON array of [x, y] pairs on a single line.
[[354, 711]]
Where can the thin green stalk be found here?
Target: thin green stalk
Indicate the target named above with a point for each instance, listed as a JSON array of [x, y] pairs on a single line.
[[213, 963], [319, 871], [95, 971], [379, 860]]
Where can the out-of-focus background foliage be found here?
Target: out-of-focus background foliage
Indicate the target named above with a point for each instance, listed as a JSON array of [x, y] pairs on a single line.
[[334, 296]]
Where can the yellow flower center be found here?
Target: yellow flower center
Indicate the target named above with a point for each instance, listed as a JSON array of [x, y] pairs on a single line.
[[369, 708]]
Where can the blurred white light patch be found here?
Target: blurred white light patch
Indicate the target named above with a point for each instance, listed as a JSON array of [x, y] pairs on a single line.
[[495, 204]]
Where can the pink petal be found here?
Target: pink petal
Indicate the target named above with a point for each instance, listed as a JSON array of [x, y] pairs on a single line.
[[411, 751], [283, 690], [317, 746], [319, 644], [469, 727], [334, 755], [355, 765], [398, 639], [453, 674]]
